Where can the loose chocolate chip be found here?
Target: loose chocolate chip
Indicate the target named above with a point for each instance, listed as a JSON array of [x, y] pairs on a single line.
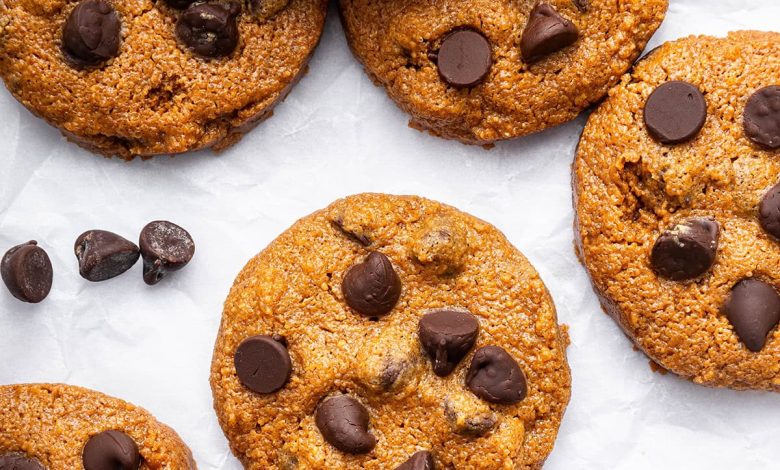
[[762, 117], [19, 462], [343, 422], [372, 288], [582, 5], [165, 247], [263, 364], [103, 255], [464, 58], [447, 336], [675, 112], [422, 460], [686, 251], [546, 32], [754, 309], [111, 450], [769, 212], [179, 4], [91, 33], [209, 29], [27, 272], [494, 376]]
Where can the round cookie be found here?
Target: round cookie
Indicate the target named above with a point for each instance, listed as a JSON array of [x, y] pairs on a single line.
[[144, 77], [480, 71], [676, 197], [385, 330], [61, 427]]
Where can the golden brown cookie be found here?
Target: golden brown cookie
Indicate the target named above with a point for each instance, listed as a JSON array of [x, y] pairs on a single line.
[[61, 427], [678, 208], [485, 70], [385, 329], [143, 77]]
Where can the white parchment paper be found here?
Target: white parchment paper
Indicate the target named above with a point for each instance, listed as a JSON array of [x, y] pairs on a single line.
[[336, 135]]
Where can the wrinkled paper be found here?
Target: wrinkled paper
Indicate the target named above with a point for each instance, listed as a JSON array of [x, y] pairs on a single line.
[[337, 134]]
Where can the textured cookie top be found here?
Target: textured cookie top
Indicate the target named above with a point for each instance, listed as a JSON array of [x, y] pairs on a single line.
[[545, 68], [369, 359], [52, 424], [156, 95], [675, 235]]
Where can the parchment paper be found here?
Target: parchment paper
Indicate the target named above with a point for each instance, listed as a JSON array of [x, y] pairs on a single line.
[[336, 135]]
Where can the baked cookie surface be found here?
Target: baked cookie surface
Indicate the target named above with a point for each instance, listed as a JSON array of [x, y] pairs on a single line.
[[521, 67], [389, 330], [61, 427], [678, 208], [143, 77]]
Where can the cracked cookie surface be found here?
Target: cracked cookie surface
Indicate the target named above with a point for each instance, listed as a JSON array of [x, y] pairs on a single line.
[[548, 60], [675, 218], [482, 383], [48, 426], [151, 94]]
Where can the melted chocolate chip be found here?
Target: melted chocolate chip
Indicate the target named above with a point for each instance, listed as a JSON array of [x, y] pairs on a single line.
[[769, 212], [422, 460], [111, 450], [582, 5], [179, 4], [494, 376], [762, 117], [92, 32], [464, 58], [546, 32], [165, 247], [447, 336], [372, 288], [675, 112], [103, 255], [19, 462], [343, 422], [753, 308], [263, 364], [686, 251], [27, 272], [209, 29]]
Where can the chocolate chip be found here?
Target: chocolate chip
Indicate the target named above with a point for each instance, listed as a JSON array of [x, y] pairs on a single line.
[[762, 117], [582, 5], [27, 272], [179, 4], [372, 288], [675, 112], [447, 336], [343, 422], [91, 33], [769, 212], [422, 460], [753, 308], [263, 364], [546, 32], [494, 376], [111, 450], [103, 255], [464, 58], [165, 247], [686, 251], [209, 29], [19, 462]]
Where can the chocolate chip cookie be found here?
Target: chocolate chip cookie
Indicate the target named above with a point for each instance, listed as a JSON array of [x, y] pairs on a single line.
[[144, 77], [677, 194], [388, 332], [61, 427], [480, 71]]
